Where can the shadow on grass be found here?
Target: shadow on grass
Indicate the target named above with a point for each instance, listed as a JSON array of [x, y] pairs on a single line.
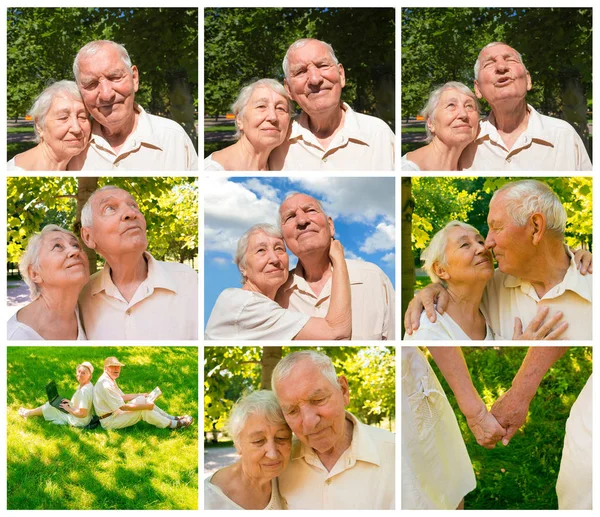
[[140, 467]]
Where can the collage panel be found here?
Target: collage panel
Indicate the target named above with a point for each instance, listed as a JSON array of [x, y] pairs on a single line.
[[108, 258], [496, 94], [497, 427], [323, 438], [497, 258], [102, 428], [299, 88], [299, 258], [119, 93]]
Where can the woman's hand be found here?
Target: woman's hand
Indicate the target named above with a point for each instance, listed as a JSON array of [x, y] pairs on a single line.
[[538, 329], [66, 405], [427, 299], [485, 428], [583, 259], [336, 252]]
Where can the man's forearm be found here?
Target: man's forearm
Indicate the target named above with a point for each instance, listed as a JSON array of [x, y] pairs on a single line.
[[537, 362]]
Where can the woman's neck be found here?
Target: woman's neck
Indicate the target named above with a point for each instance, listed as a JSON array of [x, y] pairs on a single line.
[[243, 156], [42, 158], [437, 156], [463, 308]]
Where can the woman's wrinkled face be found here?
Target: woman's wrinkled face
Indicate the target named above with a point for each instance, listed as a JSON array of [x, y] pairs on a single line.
[[455, 120], [67, 127], [264, 447], [267, 262], [265, 119], [62, 263], [467, 259], [83, 375]]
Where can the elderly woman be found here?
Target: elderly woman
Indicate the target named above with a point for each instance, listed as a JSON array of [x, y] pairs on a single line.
[[78, 409], [451, 121], [252, 312], [62, 128], [55, 268], [264, 442], [458, 259], [262, 113]]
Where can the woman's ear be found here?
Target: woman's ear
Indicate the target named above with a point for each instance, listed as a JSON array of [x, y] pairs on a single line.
[[440, 271]]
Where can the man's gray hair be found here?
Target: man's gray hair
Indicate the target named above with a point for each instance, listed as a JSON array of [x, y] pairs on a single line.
[[42, 103], [261, 402], [92, 48], [477, 66], [299, 44], [87, 217], [240, 103], [523, 198], [319, 360], [434, 100], [31, 257], [291, 195], [242, 244], [435, 252]]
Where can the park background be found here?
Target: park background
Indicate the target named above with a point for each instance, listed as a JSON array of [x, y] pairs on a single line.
[[522, 475], [43, 42], [230, 372], [363, 212], [429, 203], [169, 205], [245, 44], [139, 467], [442, 44]]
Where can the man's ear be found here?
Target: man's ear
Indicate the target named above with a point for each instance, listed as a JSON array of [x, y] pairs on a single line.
[[342, 74], [343, 382], [529, 83], [86, 237], [136, 78], [477, 90], [439, 270], [331, 226], [538, 228], [287, 88]]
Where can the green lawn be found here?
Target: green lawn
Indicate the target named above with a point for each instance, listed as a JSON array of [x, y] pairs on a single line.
[[212, 129], [19, 129], [523, 474], [413, 130], [140, 467]]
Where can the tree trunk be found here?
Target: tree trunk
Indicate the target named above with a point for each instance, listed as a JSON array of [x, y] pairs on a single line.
[[85, 188], [271, 355], [408, 265], [575, 108]]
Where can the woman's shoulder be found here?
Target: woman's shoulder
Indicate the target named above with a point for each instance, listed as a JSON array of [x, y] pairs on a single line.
[[407, 165], [17, 330], [212, 165], [431, 330], [11, 165]]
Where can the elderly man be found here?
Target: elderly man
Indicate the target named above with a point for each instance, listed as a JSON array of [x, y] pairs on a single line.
[[328, 135], [124, 136], [535, 269], [134, 296], [337, 462], [515, 137], [307, 232], [574, 485], [116, 409]]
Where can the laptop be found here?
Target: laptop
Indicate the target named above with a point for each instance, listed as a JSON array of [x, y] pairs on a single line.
[[53, 397]]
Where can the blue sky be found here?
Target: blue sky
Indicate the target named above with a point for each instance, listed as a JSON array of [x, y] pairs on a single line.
[[362, 210]]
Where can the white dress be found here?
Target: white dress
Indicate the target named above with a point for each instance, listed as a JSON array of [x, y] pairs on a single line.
[[12, 166], [407, 165], [436, 468], [82, 398], [17, 331], [443, 328], [212, 165], [215, 499]]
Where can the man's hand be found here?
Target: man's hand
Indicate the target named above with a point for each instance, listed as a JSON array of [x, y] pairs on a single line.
[[510, 411], [485, 428], [429, 298], [538, 329], [583, 259]]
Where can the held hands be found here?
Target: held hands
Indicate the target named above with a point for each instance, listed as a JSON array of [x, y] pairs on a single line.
[[510, 411], [485, 428]]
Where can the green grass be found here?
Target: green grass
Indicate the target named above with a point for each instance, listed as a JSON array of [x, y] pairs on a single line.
[[19, 129], [212, 129], [413, 130], [522, 475], [140, 467], [216, 146], [15, 148]]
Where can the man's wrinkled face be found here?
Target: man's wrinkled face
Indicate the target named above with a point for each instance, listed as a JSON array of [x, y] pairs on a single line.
[[502, 75], [315, 82], [313, 407], [108, 87], [305, 226], [113, 371]]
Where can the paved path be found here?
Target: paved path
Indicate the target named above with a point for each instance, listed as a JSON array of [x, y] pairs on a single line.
[[217, 458]]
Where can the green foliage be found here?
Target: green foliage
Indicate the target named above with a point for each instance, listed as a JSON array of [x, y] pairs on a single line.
[[523, 474], [169, 205], [140, 467], [162, 42], [229, 372]]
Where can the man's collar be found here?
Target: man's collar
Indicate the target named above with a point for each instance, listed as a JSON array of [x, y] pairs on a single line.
[[534, 131], [297, 281]]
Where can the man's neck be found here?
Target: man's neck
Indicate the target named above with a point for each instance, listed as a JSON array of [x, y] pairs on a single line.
[[511, 119], [128, 273], [325, 124], [117, 136], [548, 268], [316, 270], [329, 458]]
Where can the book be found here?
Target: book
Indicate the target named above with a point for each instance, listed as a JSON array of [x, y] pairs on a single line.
[[154, 395]]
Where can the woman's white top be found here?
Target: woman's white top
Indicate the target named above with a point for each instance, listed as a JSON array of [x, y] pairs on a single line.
[[12, 166], [215, 499], [212, 165], [19, 331], [407, 165], [82, 399], [241, 314], [436, 468], [443, 328]]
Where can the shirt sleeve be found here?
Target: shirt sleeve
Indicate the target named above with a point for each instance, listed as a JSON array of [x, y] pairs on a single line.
[[240, 314], [110, 395], [82, 399], [389, 323]]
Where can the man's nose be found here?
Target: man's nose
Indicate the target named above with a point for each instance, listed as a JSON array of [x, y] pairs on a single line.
[[310, 420], [314, 75], [301, 218], [501, 65], [130, 213], [106, 92], [489, 242]]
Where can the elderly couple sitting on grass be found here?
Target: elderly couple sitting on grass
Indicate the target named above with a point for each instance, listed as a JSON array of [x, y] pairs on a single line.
[[114, 408]]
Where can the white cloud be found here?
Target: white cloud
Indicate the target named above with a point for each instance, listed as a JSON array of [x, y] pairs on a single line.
[[221, 261], [383, 239], [263, 189], [351, 255], [390, 258]]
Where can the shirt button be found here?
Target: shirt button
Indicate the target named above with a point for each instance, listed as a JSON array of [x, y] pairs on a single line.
[[325, 160], [508, 160], [128, 312], [328, 481]]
